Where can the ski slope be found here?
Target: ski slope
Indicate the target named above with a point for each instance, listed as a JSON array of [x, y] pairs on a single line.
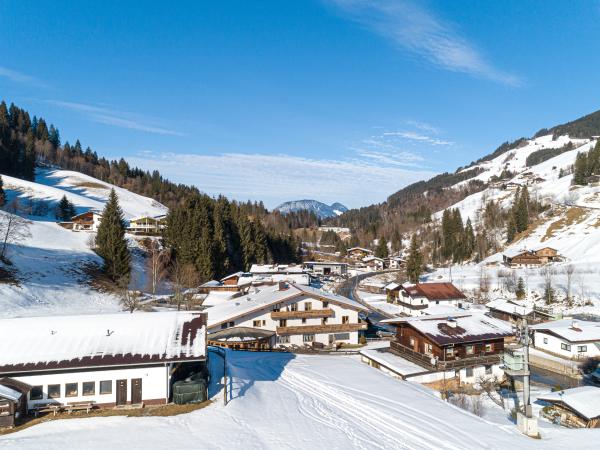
[[282, 401]]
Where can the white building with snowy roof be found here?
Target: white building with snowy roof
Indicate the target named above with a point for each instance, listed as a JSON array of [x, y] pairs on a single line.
[[106, 360], [298, 314], [568, 338]]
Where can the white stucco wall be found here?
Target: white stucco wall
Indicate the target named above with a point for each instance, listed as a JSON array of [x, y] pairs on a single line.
[[154, 384], [551, 343]]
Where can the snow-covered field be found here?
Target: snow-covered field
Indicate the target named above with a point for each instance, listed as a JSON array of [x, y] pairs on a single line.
[[302, 402]]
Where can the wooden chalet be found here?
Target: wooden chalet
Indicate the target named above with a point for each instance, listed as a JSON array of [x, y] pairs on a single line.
[[441, 342], [147, 225], [87, 221], [358, 253], [532, 258], [573, 408], [514, 312], [415, 298], [13, 401]]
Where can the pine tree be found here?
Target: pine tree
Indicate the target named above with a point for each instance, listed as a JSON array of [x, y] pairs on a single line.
[[382, 248], [520, 291], [580, 169], [469, 239], [549, 294], [396, 241], [65, 209], [522, 211], [414, 262], [111, 243]]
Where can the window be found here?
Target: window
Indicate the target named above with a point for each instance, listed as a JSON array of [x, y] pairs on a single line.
[[223, 326], [545, 340], [283, 323], [294, 307], [54, 391], [566, 347], [264, 323], [71, 390], [449, 351], [231, 324], [88, 388], [469, 372], [345, 319], [324, 321], [489, 348], [36, 393], [342, 336], [256, 323], [488, 370], [303, 321], [582, 348], [325, 305], [428, 348], [276, 307], [470, 349], [411, 340], [283, 339], [105, 387], [308, 338], [308, 306], [437, 302]]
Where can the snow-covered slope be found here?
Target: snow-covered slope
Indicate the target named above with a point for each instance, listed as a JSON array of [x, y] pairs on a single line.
[[321, 210], [83, 191], [50, 266], [285, 401]]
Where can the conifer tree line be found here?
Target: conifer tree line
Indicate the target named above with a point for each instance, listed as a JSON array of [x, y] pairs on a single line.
[[26, 141], [586, 165], [458, 240], [521, 213]]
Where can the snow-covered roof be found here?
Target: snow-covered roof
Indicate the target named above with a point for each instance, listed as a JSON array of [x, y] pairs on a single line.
[[584, 400], [372, 258], [211, 283], [39, 343], [571, 330], [325, 263], [275, 268], [266, 297], [434, 291], [9, 393], [233, 275], [362, 249], [510, 307], [392, 286], [466, 327]]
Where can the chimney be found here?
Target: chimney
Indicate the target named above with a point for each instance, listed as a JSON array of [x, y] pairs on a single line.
[[575, 324], [451, 322], [282, 286]]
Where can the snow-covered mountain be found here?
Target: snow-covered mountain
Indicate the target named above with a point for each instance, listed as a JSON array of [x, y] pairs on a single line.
[[50, 266], [321, 210]]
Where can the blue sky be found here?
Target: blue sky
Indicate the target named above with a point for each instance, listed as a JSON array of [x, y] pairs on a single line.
[[337, 100]]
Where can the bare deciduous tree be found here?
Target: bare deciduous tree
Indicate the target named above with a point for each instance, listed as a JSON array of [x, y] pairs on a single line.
[[484, 283], [184, 277], [569, 271], [157, 264], [13, 228], [491, 387], [129, 299]]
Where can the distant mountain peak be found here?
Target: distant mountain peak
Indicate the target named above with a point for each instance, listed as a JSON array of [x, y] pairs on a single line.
[[321, 210]]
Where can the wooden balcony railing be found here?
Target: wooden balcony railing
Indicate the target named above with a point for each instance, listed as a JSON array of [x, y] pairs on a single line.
[[317, 329], [312, 314], [426, 360]]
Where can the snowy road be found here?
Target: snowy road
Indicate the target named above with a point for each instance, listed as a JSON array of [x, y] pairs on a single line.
[[284, 402]]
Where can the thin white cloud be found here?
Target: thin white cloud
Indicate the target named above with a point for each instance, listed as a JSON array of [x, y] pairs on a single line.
[[411, 135], [276, 178], [423, 126], [121, 119], [416, 30], [18, 77]]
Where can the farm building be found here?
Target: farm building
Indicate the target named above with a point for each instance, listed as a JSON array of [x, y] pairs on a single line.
[[574, 408], [105, 360], [568, 338], [514, 312], [532, 258], [13, 401], [298, 315], [373, 262], [358, 253], [327, 268]]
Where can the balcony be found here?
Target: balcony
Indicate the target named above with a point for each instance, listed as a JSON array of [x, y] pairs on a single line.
[[311, 314], [426, 360], [319, 329]]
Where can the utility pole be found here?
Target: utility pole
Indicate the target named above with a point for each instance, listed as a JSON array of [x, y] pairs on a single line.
[[526, 378]]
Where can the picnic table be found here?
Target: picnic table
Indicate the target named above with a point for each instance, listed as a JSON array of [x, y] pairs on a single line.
[[80, 406], [54, 408]]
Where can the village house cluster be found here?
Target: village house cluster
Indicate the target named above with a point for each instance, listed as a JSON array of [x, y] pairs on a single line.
[[145, 225]]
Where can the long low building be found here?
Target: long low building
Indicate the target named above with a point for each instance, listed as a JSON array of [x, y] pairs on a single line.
[[109, 359], [568, 338], [297, 314]]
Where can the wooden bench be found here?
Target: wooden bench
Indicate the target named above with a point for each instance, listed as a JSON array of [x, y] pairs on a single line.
[[80, 406], [54, 408]]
